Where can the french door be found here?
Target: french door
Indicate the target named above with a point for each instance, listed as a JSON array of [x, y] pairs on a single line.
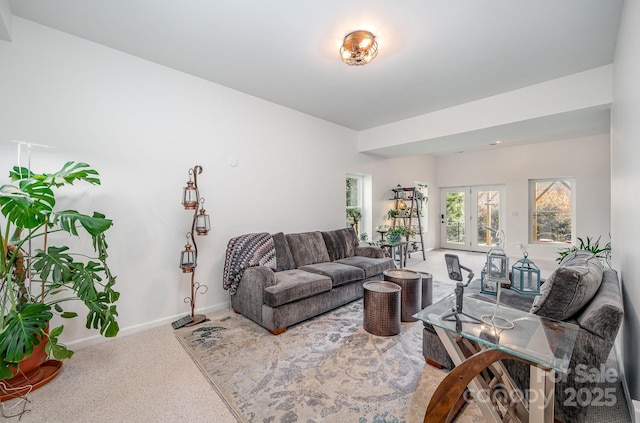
[[470, 217]]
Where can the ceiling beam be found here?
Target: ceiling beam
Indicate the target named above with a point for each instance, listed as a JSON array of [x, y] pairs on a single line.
[[458, 126]]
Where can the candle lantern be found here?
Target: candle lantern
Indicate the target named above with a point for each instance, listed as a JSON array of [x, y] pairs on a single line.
[[496, 271], [526, 276]]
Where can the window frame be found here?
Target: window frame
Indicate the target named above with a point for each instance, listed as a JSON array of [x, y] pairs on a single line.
[[533, 239]]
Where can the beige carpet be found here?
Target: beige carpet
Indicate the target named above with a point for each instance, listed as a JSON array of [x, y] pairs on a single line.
[[141, 378]]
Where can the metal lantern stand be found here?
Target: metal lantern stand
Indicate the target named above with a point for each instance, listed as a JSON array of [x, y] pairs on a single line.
[[200, 225]]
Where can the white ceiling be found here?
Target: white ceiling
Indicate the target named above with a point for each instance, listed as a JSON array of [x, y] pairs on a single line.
[[433, 54]]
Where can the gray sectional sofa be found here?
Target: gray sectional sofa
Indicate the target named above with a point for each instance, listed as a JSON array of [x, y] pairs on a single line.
[[580, 291], [315, 272]]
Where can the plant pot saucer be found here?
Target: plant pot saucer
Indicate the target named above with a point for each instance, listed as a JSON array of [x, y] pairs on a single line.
[[20, 385]]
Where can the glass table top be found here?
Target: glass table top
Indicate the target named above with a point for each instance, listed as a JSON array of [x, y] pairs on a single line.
[[546, 342]]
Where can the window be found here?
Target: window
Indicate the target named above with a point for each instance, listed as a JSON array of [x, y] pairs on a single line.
[[552, 211], [354, 200]]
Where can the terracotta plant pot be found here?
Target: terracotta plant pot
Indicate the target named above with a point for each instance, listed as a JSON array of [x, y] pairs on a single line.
[[33, 372]]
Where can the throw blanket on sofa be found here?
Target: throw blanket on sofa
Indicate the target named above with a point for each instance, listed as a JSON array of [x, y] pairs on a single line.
[[247, 251]]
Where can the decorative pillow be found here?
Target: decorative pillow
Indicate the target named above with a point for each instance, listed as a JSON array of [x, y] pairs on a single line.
[[307, 248], [284, 259], [570, 287], [341, 243]]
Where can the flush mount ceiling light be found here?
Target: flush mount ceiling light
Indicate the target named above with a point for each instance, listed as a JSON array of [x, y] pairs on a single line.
[[359, 48]]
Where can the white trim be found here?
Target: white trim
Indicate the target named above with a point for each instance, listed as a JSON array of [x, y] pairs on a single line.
[[633, 405], [132, 330]]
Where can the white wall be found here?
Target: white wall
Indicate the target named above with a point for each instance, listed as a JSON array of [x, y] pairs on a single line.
[[586, 159], [387, 174], [143, 126], [625, 151]]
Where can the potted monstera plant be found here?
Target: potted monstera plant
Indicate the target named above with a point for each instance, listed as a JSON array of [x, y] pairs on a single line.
[[40, 275]]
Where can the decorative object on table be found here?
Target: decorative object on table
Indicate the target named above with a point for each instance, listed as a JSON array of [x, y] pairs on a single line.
[[200, 225], [454, 270], [382, 230], [37, 278], [393, 238], [495, 268], [525, 276], [497, 274], [396, 233], [603, 253]]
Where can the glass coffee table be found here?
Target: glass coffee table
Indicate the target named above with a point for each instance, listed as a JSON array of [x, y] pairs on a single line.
[[475, 346]]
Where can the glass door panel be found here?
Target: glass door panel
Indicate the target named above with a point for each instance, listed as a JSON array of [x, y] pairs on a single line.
[[453, 218], [471, 217], [487, 217]]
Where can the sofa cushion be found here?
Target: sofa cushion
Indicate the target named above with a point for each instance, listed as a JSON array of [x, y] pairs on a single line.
[[338, 272], [340, 243], [372, 251], [284, 259], [371, 266], [307, 248], [292, 285], [570, 287]]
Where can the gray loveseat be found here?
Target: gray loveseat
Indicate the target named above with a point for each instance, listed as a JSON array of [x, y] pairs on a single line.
[[578, 291], [315, 272]]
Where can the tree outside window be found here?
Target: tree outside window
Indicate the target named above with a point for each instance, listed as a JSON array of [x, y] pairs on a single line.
[[354, 200], [552, 214], [455, 217]]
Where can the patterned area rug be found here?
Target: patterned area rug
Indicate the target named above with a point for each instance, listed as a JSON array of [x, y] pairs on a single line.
[[325, 369]]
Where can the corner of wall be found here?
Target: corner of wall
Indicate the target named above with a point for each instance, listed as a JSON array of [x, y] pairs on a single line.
[[5, 20]]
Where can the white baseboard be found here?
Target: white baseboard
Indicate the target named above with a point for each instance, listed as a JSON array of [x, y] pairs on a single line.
[[131, 330], [634, 406]]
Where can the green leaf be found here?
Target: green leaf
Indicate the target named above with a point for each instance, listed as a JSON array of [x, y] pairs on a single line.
[[68, 315], [24, 328], [95, 225], [70, 173], [59, 351], [55, 332], [54, 264], [28, 205]]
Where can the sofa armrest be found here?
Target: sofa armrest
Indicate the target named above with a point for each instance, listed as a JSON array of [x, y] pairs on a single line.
[[603, 315], [371, 251], [249, 297]]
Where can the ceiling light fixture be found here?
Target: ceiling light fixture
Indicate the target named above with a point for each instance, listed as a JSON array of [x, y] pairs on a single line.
[[359, 48]]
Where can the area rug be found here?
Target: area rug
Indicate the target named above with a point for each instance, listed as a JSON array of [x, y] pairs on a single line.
[[325, 369]]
